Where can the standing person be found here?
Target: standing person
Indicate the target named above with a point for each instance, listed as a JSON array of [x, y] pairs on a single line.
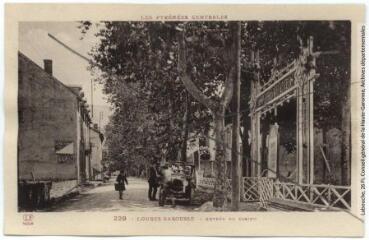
[[153, 182], [167, 174], [121, 180]]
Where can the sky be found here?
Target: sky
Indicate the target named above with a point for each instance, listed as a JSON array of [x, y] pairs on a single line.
[[68, 68]]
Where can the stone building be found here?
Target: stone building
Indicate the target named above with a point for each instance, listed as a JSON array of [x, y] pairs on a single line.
[[53, 133], [96, 141], [201, 151]]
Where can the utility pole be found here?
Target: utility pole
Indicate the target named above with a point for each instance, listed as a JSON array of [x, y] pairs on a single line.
[[92, 99], [236, 158]]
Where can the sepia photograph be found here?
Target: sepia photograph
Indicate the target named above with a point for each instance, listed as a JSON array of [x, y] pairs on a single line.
[[197, 116], [185, 114]]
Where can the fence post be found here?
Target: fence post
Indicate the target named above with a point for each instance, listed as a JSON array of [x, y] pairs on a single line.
[[329, 194], [242, 185]]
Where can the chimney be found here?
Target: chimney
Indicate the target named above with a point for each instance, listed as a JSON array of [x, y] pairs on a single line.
[[48, 66]]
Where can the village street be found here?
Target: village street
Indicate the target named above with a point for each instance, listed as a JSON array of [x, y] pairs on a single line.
[[176, 106], [105, 198]]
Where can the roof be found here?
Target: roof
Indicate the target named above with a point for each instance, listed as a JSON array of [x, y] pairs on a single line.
[[69, 149], [68, 88], [20, 54]]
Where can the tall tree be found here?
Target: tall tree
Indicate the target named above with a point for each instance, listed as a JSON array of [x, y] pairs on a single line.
[[236, 163], [217, 109], [158, 59], [139, 55]]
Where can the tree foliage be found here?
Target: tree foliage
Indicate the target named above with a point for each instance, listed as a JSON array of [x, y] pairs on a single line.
[[280, 43], [142, 76], [141, 57]]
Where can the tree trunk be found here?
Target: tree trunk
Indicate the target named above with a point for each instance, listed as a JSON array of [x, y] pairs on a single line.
[[172, 149], [218, 110], [186, 119], [246, 150], [346, 138], [236, 163], [220, 189]]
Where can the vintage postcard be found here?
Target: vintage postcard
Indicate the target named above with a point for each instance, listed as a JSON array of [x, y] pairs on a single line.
[[208, 120]]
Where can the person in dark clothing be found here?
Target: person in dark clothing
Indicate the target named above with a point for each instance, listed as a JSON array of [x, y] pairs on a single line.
[[121, 180], [153, 182]]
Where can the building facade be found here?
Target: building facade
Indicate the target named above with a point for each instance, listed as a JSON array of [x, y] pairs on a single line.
[[54, 128], [96, 141], [201, 151]]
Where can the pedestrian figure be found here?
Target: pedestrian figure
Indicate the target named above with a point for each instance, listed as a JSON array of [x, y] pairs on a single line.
[[120, 183], [153, 182]]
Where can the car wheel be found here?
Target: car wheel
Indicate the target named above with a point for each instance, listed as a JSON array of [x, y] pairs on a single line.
[[190, 197], [161, 197]]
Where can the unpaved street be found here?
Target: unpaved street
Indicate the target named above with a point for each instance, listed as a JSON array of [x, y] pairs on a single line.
[[105, 198]]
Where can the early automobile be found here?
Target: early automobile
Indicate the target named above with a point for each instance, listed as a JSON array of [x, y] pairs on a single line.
[[177, 183]]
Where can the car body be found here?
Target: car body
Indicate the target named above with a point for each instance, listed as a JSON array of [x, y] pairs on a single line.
[[177, 183]]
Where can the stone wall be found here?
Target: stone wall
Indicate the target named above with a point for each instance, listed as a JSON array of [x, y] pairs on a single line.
[[96, 153], [59, 189]]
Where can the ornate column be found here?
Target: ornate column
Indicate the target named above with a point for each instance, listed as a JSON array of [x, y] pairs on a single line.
[[304, 76]]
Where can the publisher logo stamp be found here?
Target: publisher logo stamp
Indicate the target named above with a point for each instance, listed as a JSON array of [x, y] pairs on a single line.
[[28, 219]]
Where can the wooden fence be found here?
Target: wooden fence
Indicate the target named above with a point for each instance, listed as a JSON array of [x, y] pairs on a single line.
[[263, 189], [329, 196], [209, 183]]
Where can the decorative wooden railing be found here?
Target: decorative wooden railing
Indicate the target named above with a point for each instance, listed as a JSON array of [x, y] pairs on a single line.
[[262, 189], [251, 189], [326, 196], [257, 189], [266, 190], [209, 183], [205, 182]]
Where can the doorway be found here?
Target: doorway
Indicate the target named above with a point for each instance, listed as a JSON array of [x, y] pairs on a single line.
[[279, 143]]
